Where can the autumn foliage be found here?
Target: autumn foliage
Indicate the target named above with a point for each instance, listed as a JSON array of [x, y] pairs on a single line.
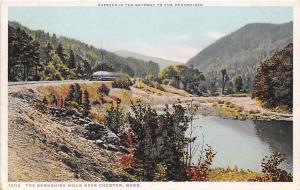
[[273, 84]]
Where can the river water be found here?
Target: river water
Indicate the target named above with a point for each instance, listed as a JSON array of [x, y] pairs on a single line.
[[243, 143]]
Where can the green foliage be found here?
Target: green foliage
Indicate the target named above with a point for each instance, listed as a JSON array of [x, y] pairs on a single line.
[[71, 63], [86, 103], [241, 51], [56, 70], [273, 84], [115, 118], [60, 51], [122, 82], [53, 100], [180, 76], [238, 83], [153, 82], [74, 94], [23, 56], [160, 140], [82, 58]]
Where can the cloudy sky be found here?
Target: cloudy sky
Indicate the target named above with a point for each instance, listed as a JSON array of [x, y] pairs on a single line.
[[175, 33]]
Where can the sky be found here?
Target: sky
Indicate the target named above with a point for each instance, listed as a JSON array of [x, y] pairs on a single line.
[[174, 33]]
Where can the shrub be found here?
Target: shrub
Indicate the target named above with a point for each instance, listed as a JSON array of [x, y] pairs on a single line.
[[127, 138], [74, 94], [272, 172], [200, 173], [160, 172], [122, 82], [127, 160], [45, 101], [73, 104]]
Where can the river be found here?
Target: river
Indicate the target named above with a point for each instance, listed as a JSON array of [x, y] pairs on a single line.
[[243, 143]]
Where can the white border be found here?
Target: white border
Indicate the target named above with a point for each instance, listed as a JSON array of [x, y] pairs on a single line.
[[159, 185]]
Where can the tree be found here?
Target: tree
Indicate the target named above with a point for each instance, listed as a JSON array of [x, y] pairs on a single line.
[[115, 118], [273, 84], [60, 52], [86, 68], [77, 94], [23, 51], [168, 73], [79, 71], [104, 67], [238, 83], [48, 51], [86, 103], [160, 139], [71, 63], [71, 93], [225, 78]]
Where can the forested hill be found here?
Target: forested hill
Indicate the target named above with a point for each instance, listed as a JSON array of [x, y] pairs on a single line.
[[59, 57], [241, 52]]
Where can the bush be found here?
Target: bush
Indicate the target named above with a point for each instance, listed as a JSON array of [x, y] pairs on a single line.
[[201, 172], [272, 172], [122, 82]]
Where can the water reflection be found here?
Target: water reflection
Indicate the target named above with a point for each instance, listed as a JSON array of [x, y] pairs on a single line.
[[279, 136], [244, 143]]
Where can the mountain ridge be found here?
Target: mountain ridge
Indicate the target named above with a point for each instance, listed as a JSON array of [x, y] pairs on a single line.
[[242, 51], [163, 63]]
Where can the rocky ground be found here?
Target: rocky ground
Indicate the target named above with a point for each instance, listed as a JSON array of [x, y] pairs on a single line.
[[44, 147]]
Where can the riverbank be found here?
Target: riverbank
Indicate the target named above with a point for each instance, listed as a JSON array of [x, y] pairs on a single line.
[[44, 129]]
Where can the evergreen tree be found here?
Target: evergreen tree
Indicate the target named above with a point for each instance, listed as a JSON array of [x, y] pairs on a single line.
[[86, 103], [77, 94], [23, 51], [87, 68], [71, 63], [80, 71], [48, 53], [71, 93], [61, 52]]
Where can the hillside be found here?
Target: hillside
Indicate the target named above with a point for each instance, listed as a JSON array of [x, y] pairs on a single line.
[[273, 84], [242, 51], [163, 63], [80, 58]]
